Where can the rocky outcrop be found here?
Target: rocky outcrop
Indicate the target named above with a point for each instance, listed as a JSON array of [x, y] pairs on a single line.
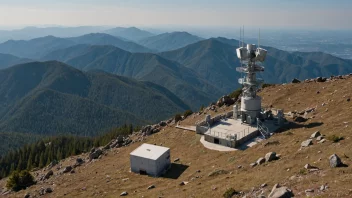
[[95, 153], [295, 80], [270, 156], [335, 161], [307, 143], [280, 192], [225, 100]]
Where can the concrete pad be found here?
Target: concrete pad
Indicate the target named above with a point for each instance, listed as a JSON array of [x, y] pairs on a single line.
[[218, 147], [231, 127]]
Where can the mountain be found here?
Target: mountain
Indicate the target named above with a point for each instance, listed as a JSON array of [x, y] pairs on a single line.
[[106, 39], [36, 48], [28, 33], [182, 81], [48, 98], [131, 33], [7, 60], [169, 41], [215, 59]]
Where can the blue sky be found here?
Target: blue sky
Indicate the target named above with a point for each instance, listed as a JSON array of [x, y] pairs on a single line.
[[331, 14]]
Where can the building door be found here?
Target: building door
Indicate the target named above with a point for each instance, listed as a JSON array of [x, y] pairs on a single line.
[[216, 141]]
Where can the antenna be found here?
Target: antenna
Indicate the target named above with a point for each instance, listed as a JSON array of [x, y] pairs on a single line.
[[259, 39], [243, 37], [239, 40]]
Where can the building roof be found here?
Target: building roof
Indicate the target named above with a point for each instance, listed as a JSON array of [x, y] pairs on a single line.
[[149, 151]]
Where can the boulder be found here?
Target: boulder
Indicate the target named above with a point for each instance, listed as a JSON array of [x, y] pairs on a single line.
[[270, 156], [67, 169], [300, 119], [124, 193], [315, 134], [48, 174], [95, 154], [162, 123], [280, 192], [27, 195], [48, 190], [320, 138], [151, 187], [320, 79], [295, 80], [306, 143], [335, 161], [261, 161], [253, 164]]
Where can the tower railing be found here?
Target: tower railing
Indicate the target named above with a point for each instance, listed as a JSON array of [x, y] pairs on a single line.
[[263, 129]]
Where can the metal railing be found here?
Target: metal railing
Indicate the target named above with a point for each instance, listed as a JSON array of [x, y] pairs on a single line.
[[230, 135], [263, 129]]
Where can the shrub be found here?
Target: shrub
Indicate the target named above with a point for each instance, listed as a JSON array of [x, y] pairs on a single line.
[[178, 117], [229, 193], [236, 94], [187, 113], [335, 138], [201, 108], [20, 180], [266, 85]]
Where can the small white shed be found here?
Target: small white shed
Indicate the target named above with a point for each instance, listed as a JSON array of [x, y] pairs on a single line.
[[150, 159]]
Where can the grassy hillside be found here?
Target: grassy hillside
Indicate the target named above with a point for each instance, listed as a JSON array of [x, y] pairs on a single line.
[[196, 162]]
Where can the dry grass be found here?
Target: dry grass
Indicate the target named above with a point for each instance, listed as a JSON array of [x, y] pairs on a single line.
[[104, 178]]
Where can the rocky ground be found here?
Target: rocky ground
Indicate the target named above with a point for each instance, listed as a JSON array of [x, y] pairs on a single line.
[[311, 156]]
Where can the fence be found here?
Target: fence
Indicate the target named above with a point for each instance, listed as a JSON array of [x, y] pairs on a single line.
[[230, 134]]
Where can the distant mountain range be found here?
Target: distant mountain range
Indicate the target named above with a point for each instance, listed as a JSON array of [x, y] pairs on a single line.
[[49, 98], [169, 41], [182, 81], [28, 33], [131, 33], [36, 48]]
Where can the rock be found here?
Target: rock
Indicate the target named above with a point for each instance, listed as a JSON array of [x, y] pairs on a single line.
[[335, 161], [320, 138], [124, 193], [48, 174], [309, 191], [27, 195], [306, 143], [315, 134], [162, 123], [270, 156], [253, 164], [280, 192], [42, 192], [217, 172], [264, 185], [95, 154], [48, 190], [320, 79], [67, 169], [348, 99], [300, 119], [151, 187], [321, 141], [311, 168], [177, 160], [261, 161], [183, 183], [295, 80], [323, 187]]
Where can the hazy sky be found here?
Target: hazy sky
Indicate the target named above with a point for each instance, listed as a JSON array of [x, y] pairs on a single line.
[[332, 14]]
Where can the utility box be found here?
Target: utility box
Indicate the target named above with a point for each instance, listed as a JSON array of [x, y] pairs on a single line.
[[150, 160]]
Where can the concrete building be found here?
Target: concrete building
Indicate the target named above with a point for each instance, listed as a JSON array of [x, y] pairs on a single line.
[[150, 160]]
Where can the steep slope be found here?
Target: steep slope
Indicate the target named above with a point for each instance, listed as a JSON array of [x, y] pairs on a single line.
[[106, 39], [183, 82], [7, 60], [53, 98], [195, 162], [131, 33], [169, 41]]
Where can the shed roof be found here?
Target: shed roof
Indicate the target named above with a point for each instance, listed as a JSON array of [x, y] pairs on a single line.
[[149, 151]]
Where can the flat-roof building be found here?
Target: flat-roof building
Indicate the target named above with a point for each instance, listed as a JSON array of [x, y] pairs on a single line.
[[150, 159]]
